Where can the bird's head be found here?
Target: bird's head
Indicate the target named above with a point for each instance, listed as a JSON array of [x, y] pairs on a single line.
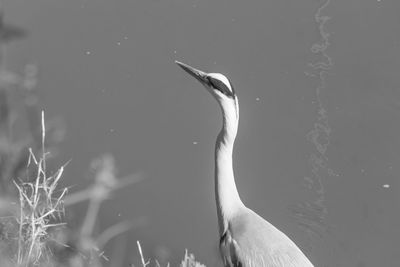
[[217, 84]]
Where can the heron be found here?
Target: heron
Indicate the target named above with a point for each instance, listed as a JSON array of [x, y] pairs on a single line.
[[246, 239]]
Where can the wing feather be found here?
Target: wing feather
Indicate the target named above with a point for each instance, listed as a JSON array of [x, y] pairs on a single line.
[[250, 241]]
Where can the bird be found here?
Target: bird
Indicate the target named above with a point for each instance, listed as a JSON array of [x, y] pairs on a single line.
[[245, 238]]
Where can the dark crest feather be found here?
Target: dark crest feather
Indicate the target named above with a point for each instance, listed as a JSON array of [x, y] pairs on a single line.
[[220, 86]]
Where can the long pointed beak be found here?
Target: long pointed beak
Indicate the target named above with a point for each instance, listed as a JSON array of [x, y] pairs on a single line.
[[201, 76]]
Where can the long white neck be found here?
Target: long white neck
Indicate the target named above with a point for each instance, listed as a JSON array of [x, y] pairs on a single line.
[[226, 194]]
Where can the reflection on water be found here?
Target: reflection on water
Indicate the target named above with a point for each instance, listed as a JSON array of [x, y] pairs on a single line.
[[312, 215]]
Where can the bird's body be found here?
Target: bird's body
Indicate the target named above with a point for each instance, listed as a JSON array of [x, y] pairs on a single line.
[[252, 241], [246, 239]]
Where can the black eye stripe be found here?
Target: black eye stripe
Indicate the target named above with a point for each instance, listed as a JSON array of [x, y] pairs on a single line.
[[220, 86], [211, 83], [233, 89]]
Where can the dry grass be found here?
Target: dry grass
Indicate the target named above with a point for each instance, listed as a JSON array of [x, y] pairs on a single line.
[[190, 261], [40, 209], [36, 226]]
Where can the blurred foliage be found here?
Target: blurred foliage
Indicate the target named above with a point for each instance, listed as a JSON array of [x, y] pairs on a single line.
[[20, 126]]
